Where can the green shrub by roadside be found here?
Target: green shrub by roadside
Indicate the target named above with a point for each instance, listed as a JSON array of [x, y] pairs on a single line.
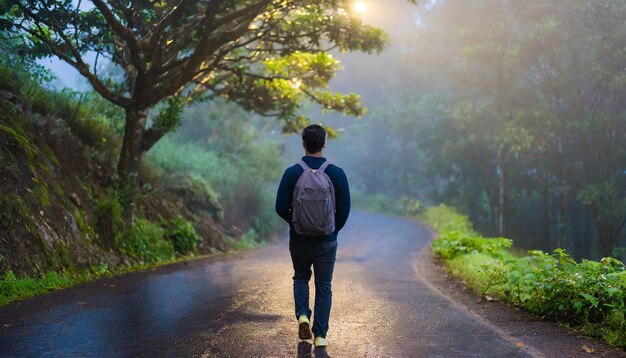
[[590, 295], [444, 218], [249, 240], [454, 243], [145, 241], [182, 234], [196, 194]]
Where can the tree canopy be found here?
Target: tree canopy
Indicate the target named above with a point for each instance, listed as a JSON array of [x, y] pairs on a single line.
[[269, 56], [266, 55]]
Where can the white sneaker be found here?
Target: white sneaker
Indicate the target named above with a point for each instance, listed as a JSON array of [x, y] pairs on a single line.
[[304, 327], [321, 342]]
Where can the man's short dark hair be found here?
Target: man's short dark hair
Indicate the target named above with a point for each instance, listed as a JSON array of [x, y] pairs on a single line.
[[314, 137]]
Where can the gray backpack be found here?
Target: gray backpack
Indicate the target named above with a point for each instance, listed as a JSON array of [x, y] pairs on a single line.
[[313, 207]]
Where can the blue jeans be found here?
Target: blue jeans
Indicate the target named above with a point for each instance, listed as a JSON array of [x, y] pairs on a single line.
[[321, 255]]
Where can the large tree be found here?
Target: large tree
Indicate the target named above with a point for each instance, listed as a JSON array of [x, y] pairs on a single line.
[[267, 55]]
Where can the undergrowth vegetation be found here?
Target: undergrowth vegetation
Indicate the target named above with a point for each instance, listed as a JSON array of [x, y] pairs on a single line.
[[220, 146], [588, 295], [13, 288], [205, 189], [18, 287]]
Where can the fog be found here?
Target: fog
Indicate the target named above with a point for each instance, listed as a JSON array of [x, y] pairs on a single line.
[[513, 112]]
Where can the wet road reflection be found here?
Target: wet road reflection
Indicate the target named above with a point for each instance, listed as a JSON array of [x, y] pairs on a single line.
[[241, 306], [306, 350]]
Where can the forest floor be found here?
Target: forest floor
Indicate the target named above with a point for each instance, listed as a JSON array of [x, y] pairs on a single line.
[[390, 299]]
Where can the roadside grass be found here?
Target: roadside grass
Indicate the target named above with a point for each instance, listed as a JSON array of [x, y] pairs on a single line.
[[14, 288], [587, 295], [148, 245], [472, 269], [146, 252]]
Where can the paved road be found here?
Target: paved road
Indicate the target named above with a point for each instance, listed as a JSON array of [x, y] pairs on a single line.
[[241, 306]]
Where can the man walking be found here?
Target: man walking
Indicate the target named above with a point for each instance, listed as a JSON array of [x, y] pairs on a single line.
[[314, 198]]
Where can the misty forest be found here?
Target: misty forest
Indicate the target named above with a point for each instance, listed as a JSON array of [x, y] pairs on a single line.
[[135, 134], [512, 114]]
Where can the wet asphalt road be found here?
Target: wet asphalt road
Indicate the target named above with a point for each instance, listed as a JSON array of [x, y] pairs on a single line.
[[241, 306]]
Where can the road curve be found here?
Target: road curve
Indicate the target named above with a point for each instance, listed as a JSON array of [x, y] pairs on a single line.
[[241, 306]]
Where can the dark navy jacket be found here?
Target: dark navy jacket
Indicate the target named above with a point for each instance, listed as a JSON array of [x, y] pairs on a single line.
[[284, 197]]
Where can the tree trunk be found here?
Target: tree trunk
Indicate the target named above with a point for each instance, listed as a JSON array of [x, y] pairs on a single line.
[[546, 210], [503, 200], [608, 231], [130, 158], [604, 241], [562, 222], [493, 208]]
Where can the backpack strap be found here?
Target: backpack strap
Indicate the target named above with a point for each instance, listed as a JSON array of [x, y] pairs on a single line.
[[332, 187], [305, 167], [325, 165]]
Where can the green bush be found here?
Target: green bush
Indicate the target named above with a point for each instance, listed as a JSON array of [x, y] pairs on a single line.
[[8, 79], [451, 244], [444, 218], [47, 102], [556, 286], [249, 240], [196, 194], [553, 285], [412, 207], [95, 121], [182, 234], [145, 241], [109, 218], [242, 180]]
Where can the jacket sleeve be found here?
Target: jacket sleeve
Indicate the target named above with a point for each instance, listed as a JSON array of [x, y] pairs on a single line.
[[342, 198], [284, 198]]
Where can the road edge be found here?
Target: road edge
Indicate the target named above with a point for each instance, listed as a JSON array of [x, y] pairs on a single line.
[[423, 257], [455, 292]]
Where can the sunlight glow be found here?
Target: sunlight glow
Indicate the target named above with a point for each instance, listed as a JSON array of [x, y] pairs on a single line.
[[295, 83], [359, 7]]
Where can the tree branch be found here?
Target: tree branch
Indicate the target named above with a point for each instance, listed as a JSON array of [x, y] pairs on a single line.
[[123, 31], [151, 136], [166, 21], [77, 63]]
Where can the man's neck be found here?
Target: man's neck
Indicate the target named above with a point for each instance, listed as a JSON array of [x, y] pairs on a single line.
[[316, 155]]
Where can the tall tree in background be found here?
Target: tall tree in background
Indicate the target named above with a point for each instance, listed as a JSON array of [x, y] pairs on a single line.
[[266, 55]]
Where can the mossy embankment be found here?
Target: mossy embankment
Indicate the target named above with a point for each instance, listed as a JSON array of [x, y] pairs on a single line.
[[60, 215]]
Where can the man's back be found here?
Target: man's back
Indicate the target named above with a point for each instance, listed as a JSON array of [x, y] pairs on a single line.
[[284, 197]]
